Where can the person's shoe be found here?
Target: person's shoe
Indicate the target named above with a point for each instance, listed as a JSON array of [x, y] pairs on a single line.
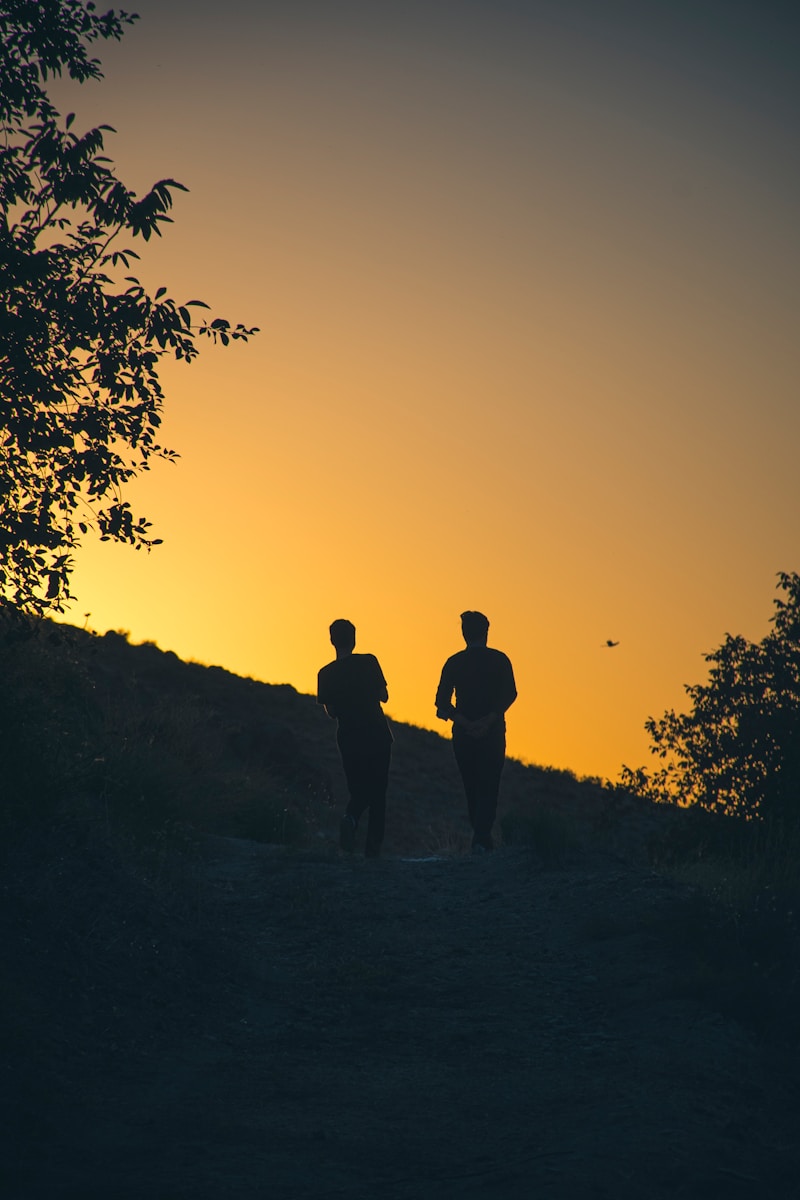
[[347, 833], [480, 848]]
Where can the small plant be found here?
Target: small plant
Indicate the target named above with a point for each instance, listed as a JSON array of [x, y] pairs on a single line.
[[552, 834], [268, 821], [444, 839]]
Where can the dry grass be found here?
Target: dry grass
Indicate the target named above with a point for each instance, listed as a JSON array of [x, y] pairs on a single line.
[[552, 834], [738, 933]]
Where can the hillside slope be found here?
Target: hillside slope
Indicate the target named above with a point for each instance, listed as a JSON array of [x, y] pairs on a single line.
[[113, 731], [201, 996]]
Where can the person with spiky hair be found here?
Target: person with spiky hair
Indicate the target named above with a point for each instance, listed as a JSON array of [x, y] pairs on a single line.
[[352, 689], [482, 680]]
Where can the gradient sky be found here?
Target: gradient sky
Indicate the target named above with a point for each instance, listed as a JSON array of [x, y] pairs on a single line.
[[526, 276]]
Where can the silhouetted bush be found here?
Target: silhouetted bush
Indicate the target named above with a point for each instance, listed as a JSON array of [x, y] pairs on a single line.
[[737, 750]]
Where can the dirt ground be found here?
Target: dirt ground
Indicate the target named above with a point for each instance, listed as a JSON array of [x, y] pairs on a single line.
[[444, 1027]]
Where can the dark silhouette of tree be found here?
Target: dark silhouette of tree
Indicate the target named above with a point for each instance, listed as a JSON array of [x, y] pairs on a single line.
[[80, 339], [737, 750]]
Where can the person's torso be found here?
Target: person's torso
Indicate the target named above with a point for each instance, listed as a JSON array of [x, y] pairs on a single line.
[[352, 687], [480, 676]]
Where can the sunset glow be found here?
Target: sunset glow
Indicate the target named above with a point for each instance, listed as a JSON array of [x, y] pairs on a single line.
[[526, 281]]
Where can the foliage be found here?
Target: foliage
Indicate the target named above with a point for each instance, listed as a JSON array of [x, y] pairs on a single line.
[[737, 750], [80, 339]]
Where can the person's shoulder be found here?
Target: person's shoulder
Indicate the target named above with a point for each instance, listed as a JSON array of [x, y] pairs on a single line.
[[498, 655], [327, 670], [367, 659]]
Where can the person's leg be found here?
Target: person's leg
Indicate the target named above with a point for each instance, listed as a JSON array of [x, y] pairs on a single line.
[[357, 786], [366, 768], [488, 772], [352, 764], [480, 762], [377, 771], [464, 748]]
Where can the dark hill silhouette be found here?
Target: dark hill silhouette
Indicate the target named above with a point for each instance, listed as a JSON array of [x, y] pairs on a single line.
[[203, 997], [152, 738]]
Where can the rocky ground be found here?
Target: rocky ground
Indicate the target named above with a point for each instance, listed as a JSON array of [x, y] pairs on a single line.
[[411, 1027]]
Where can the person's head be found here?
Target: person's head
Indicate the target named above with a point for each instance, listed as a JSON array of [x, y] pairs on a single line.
[[343, 635], [475, 628]]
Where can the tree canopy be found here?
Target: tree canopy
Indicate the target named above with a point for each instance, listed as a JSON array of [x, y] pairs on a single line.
[[80, 338], [738, 748]]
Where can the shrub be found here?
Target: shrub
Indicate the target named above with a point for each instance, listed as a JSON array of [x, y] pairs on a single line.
[[737, 750]]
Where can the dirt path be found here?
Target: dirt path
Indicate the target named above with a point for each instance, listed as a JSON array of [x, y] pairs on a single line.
[[439, 1028]]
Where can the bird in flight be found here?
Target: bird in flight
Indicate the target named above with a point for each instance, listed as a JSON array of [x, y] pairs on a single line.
[[607, 644]]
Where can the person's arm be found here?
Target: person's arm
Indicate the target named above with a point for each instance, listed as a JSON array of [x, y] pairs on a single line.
[[509, 689], [445, 710], [323, 697], [381, 689]]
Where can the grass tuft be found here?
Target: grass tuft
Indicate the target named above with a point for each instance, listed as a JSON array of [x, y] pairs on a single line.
[[553, 835]]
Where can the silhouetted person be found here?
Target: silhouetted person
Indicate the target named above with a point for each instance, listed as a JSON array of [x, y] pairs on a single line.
[[352, 689], [483, 682]]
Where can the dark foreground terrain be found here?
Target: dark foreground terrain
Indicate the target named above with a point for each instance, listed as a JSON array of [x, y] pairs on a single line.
[[201, 997], [437, 1027]]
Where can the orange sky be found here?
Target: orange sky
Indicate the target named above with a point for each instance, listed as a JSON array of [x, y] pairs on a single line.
[[528, 297]]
